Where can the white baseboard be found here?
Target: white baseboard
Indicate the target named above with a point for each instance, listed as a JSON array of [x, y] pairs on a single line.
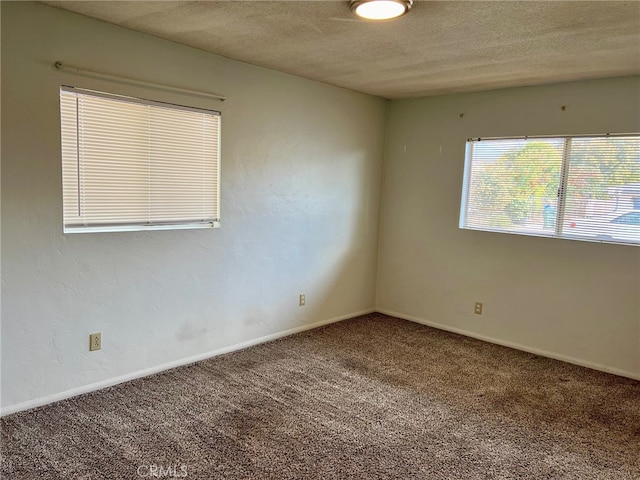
[[517, 346], [38, 402]]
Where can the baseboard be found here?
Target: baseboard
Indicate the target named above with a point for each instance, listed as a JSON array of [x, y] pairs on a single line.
[[38, 402], [517, 346]]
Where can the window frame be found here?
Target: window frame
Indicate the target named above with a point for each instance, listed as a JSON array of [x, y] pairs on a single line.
[[149, 225], [561, 191]]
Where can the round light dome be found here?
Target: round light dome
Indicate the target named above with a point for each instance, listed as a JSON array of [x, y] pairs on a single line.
[[380, 9]]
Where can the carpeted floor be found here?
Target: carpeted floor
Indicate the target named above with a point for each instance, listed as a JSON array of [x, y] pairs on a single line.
[[372, 397]]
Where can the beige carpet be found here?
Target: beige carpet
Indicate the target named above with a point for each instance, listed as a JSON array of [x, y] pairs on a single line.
[[372, 397]]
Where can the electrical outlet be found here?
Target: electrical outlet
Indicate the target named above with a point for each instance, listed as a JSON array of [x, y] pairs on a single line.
[[95, 341], [478, 308], [302, 300]]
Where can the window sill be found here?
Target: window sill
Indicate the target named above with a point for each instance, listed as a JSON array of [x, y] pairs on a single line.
[[140, 228]]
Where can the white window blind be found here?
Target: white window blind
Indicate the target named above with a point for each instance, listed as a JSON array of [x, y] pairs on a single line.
[[579, 187], [132, 164]]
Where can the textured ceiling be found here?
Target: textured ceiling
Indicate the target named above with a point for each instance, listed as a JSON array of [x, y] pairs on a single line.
[[439, 47]]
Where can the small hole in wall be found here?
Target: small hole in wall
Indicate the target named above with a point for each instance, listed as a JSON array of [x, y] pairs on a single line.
[[563, 108]]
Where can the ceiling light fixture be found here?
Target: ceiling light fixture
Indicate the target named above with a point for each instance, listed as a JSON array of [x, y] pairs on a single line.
[[380, 9]]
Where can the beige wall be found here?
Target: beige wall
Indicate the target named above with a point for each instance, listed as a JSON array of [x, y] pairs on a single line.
[[572, 300], [301, 177]]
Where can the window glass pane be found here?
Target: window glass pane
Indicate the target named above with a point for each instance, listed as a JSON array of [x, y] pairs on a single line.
[[181, 166], [513, 185], [603, 189], [114, 161], [69, 144]]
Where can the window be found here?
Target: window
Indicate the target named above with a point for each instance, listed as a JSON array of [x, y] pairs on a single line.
[[579, 187], [132, 164]]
